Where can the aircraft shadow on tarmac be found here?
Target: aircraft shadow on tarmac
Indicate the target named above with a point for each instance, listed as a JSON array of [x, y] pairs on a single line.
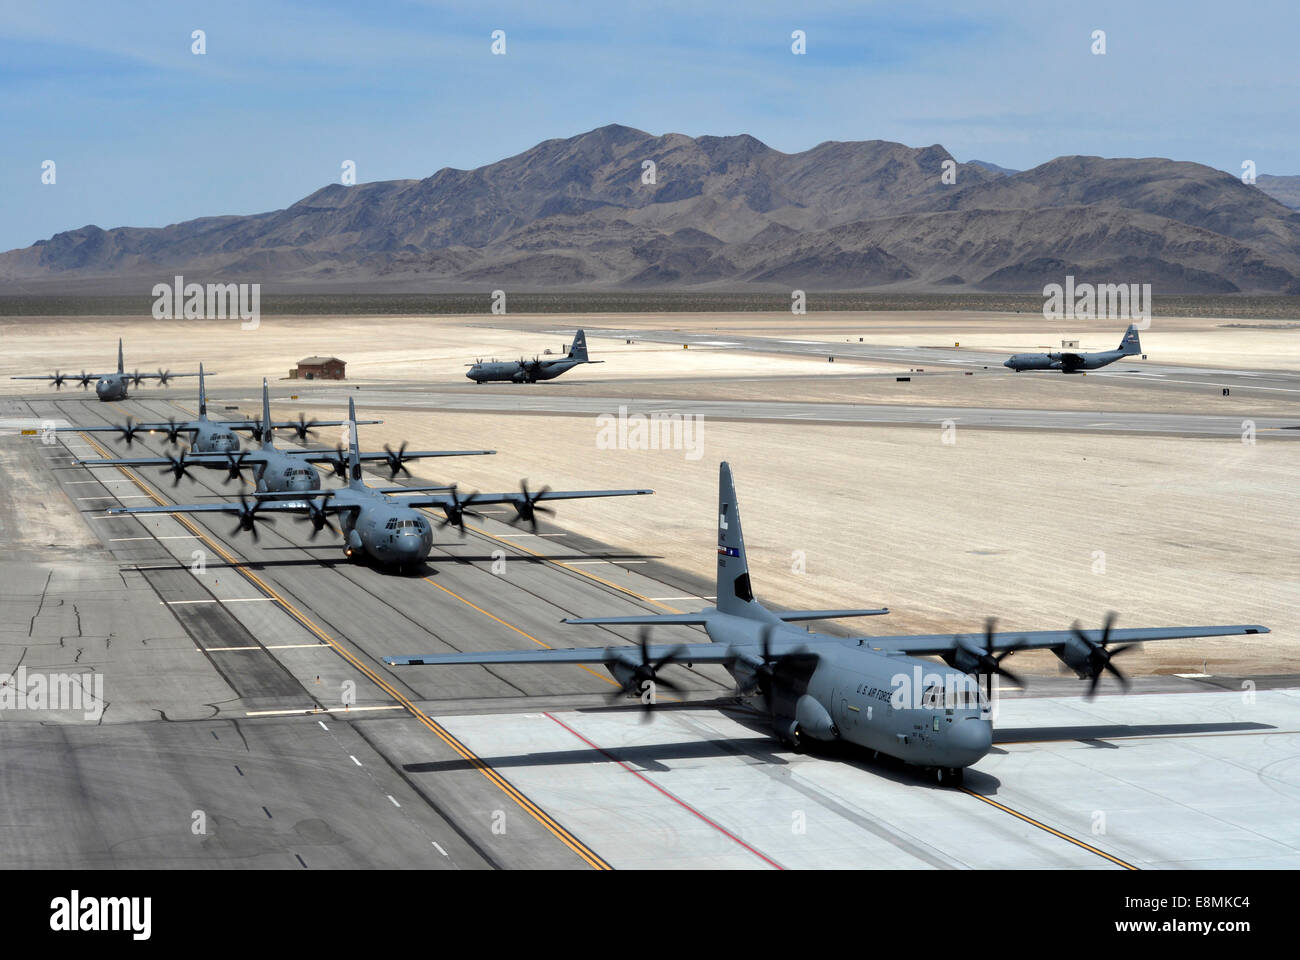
[[1100, 735], [765, 748]]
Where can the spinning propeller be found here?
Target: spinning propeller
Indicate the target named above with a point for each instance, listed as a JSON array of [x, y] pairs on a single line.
[[303, 428], [1099, 657], [173, 431], [234, 464], [987, 663], [339, 463], [645, 671], [177, 467], [319, 519], [128, 431], [248, 518], [396, 460], [456, 510], [528, 509]]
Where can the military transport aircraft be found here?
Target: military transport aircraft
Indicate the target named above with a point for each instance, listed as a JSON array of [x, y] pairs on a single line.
[[209, 436], [869, 691], [530, 371], [275, 470], [1068, 362], [108, 386], [374, 521]]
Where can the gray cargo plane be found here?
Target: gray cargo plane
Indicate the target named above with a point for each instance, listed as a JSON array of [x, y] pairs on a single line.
[[869, 691], [530, 371], [373, 521], [208, 436], [275, 470], [1068, 362], [108, 386]]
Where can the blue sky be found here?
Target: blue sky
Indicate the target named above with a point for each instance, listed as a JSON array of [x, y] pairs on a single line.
[[145, 133]]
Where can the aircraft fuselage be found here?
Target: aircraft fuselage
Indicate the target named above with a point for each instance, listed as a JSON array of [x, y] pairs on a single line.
[[1064, 361], [916, 710], [390, 533], [515, 372], [111, 387]]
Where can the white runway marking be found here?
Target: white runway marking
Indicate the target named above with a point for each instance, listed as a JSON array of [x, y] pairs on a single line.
[[438, 847], [394, 799], [355, 760]]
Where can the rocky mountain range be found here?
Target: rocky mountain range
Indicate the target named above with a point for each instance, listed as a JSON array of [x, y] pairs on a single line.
[[725, 212]]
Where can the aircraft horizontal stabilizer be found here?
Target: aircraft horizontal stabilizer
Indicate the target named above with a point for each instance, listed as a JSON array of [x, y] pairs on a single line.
[[790, 616]]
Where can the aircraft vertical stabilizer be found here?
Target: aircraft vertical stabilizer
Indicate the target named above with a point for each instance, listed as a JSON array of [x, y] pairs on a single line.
[[578, 351], [1131, 343], [268, 439], [734, 593], [354, 460]]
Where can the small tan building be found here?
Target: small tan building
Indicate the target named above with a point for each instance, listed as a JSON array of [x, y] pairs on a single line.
[[319, 368]]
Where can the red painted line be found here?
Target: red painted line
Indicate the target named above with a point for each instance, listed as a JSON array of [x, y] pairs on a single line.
[[675, 799]]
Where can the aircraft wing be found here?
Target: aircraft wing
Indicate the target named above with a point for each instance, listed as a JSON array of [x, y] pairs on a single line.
[[184, 427], [63, 376], [250, 457], [701, 617], [937, 644], [682, 652], [286, 502], [518, 499]]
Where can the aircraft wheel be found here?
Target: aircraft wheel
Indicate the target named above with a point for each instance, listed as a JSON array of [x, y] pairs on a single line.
[[958, 775]]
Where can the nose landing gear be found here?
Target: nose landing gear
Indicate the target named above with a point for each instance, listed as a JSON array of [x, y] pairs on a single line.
[[948, 776]]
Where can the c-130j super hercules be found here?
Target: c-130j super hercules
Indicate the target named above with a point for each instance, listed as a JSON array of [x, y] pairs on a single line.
[[530, 371], [874, 692], [384, 523]]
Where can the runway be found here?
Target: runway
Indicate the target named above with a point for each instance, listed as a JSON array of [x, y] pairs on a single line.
[[1161, 375], [244, 682], [1077, 421]]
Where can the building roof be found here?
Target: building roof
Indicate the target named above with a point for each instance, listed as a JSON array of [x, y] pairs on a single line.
[[318, 360]]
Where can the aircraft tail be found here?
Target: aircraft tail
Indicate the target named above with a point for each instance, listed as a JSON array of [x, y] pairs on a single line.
[[1131, 343], [354, 458], [735, 596], [203, 395], [578, 350], [268, 435], [120, 368]]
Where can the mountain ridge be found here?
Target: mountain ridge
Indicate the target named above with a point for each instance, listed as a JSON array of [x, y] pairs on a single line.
[[585, 211]]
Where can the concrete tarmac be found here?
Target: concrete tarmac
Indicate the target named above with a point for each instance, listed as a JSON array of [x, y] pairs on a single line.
[[244, 689]]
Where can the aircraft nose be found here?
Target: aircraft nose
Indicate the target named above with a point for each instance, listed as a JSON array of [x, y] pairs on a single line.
[[410, 547], [970, 739], [1006, 363]]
